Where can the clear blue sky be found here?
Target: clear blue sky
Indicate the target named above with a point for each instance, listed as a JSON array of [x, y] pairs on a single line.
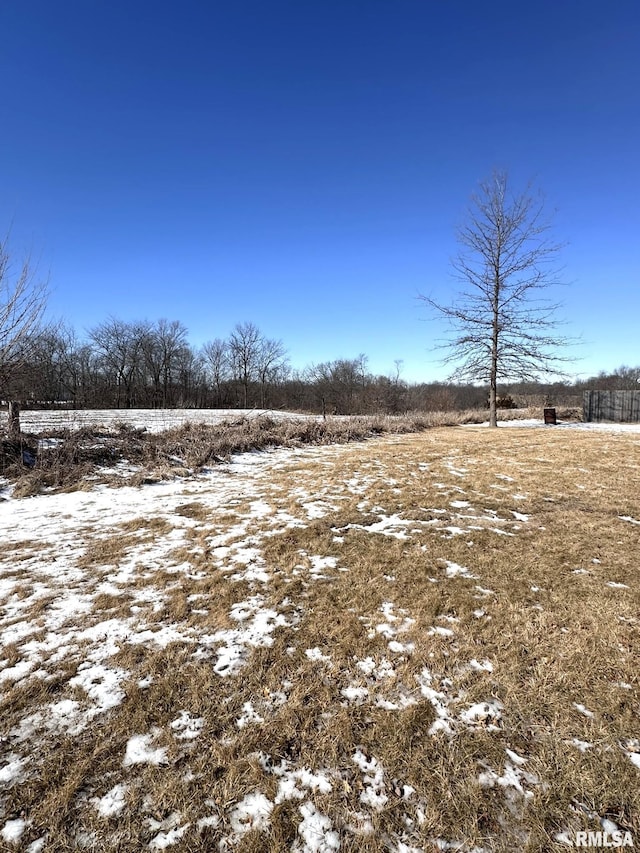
[[303, 165]]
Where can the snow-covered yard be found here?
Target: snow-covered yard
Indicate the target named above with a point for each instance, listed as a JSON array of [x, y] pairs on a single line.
[[418, 643], [153, 420]]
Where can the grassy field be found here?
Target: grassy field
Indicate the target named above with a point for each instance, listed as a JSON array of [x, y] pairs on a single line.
[[415, 643]]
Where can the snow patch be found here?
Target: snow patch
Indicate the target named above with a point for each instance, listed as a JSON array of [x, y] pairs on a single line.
[[140, 751], [112, 802]]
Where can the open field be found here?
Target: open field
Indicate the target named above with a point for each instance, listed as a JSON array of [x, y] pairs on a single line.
[[41, 421], [67, 450], [416, 643], [153, 420]]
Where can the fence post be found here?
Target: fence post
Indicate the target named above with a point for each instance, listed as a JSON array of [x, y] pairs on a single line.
[[14, 419]]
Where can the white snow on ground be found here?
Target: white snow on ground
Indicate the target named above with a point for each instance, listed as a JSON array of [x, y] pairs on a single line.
[[253, 812], [113, 802], [453, 570], [582, 710], [186, 727], [158, 420], [153, 420], [47, 616], [13, 830], [373, 781], [316, 654], [170, 831], [140, 751], [514, 778], [232, 646], [316, 831]]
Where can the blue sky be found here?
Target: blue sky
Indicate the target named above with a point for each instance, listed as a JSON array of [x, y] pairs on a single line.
[[304, 165]]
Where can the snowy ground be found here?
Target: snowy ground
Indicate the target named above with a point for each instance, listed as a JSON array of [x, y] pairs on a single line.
[[157, 420], [98, 588], [154, 420]]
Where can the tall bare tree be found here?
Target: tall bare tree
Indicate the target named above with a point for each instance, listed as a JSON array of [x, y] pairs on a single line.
[[501, 324], [118, 344], [23, 299], [163, 346], [341, 385], [272, 364], [244, 346], [216, 357]]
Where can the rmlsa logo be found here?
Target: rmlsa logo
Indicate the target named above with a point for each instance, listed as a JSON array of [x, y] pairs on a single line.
[[603, 839]]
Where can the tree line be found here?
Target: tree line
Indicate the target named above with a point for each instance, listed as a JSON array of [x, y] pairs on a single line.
[[151, 364]]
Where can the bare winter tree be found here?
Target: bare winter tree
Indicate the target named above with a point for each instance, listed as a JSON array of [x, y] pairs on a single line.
[[244, 346], [118, 345], [272, 361], [23, 300], [501, 324], [216, 356], [163, 344], [341, 385]]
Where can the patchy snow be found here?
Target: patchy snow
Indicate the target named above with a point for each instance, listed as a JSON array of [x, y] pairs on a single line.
[[513, 777], [170, 831], [113, 802], [151, 420], [320, 564], [373, 781], [252, 812], [316, 831], [439, 631], [13, 830], [453, 570], [232, 645], [316, 655], [208, 821], [355, 694], [631, 748], [186, 727], [48, 615], [140, 751], [401, 648], [394, 625], [378, 670], [13, 771], [249, 716], [485, 714], [485, 666], [293, 781], [582, 745], [582, 710]]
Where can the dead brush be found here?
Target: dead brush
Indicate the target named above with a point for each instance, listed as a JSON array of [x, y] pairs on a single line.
[[68, 459]]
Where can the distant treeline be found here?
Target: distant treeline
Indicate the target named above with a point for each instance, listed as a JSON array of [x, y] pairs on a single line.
[[121, 364]]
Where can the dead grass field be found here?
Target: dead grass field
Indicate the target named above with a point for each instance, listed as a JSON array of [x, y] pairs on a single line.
[[417, 643]]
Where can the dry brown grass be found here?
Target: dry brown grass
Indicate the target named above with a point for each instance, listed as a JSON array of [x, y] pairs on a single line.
[[77, 459], [555, 639]]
